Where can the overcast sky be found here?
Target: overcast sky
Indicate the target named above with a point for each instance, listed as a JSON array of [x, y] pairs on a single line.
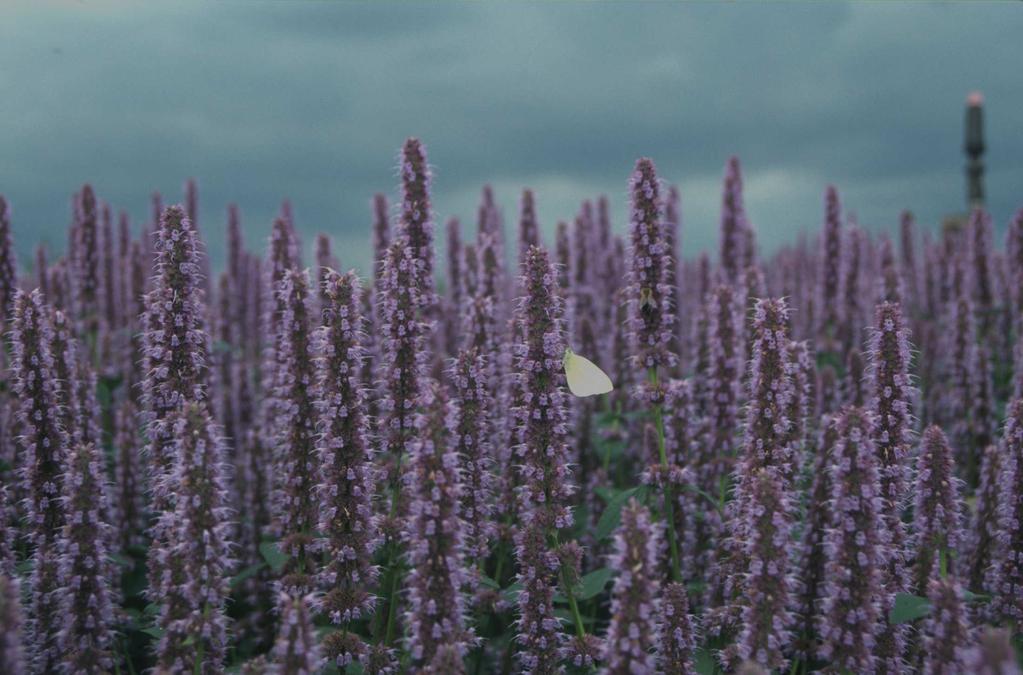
[[311, 100]]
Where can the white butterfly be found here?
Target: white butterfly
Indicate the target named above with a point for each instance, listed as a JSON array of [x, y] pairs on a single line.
[[585, 378]]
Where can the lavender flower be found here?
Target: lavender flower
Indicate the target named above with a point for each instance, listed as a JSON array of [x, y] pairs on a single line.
[[45, 445], [829, 274], [195, 556], [676, 638], [8, 265], [983, 533], [733, 223], [891, 400], [436, 614], [295, 426], [86, 602], [768, 586], [891, 281], [852, 312], [381, 235], [345, 455], [325, 260], [1005, 580], [529, 229], [946, 629], [8, 532], [469, 418], [296, 651], [910, 269], [719, 387], [541, 420], [12, 659], [85, 260], [416, 217], [651, 319], [403, 359], [937, 516], [129, 486], [855, 548], [635, 606], [812, 553]]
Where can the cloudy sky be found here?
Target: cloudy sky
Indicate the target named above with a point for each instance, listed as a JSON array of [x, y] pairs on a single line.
[[311, 100]]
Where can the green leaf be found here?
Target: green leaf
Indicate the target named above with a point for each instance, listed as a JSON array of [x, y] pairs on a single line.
[[908, 608], [970, 596], [273, 555], [613, 513], [511, 594], [152, 609], [246, 573], [489, 583], [122, 561], [703, 662], [593, 584], [153, 631]]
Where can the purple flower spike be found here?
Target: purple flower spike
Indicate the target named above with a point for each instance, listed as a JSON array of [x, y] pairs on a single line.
[[1005, 580], [946, 634], [733, 224], [86, 263], [891, 400], [295, 424], [45, 445], [416, 217], [195, 556], [937, 511], [381, 234], [651, 319], [635, 599], [983, 533], [469, 425], [541, 419], [296, 651], [8, 266], [768, 586], [830, 272], [436, 613], [529, 229], [8, 531], [855, 548], [348, 477], [12, 658], [677, 640], [86, 632]]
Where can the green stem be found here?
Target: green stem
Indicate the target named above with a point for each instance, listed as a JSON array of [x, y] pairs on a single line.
[[669, 492]]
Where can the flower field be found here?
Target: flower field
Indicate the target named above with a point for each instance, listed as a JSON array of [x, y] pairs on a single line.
[[811, 461]]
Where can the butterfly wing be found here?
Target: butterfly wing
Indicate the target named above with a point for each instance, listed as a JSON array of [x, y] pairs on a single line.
[[585, 378]]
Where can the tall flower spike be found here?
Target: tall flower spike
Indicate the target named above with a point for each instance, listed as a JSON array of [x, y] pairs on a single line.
[[946, 629], [635, 598], [345, 455], [381, 235], [325, 260], [436, 613], [403, 358], [455, 290], [469, 418], [733, 223], [542, 449], [983, 533], [296, 651], [937, 512], [891, 401], [1005, 581], [85, 260], [8, 266], [852, 311], [296, 435], [45, 445], [720, 386], [196, 554], [650, 315], [910, 269], [768, 586], [12, 658], [529, 230], [176, 346], [812, 556], [676, 639], [416, 217], [830, 272], [8, 531], [855, 549], [129, 486], [86, 633]]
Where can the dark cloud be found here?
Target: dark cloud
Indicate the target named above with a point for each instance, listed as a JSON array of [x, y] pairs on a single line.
[[263, 100]]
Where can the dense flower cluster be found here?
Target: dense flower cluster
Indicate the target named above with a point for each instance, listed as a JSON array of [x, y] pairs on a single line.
[[273, 470]]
